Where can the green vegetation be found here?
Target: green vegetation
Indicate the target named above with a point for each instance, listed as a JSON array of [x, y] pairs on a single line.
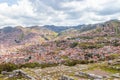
[[109, 69], [33, 65], [7, 67], [98, 30], [21, 36], [58, 42], [11, 66], [29, 65], [112, 56], [74, 62], [86, 37], [74, 44], [17, 78], [65, 57], [48, 65], [104, 67], [88, 45], [116, 65]]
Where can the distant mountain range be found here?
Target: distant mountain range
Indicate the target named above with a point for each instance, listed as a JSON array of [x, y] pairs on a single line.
[[59, 29], [83, 27], [36, 34], [19, 35]]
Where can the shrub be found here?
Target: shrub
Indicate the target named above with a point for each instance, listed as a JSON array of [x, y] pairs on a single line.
[[11, 66], [113, 56], [84, 62], [74, 62], [8, 67], [33, 65], [86, 37], [74, 44], [91, 61], [29, 65], [88, 45], [48, 65], [71, 62]]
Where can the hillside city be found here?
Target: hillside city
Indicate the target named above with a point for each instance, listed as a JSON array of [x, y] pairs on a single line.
[[83, 52]]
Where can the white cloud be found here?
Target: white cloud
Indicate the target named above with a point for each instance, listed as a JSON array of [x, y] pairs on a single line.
[[58, 12], [94, 11], [11, 15]]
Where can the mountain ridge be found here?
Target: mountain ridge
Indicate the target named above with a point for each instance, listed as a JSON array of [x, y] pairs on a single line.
[[22, 36]]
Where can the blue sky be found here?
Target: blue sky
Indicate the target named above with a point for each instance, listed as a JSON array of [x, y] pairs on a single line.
[[9, 2], [57, 12]]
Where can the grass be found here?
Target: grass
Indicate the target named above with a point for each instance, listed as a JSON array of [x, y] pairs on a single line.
[[117, 65], [65, 57], [102, 66], [92, 66], [56, 71], [2, 77], [110, 70]]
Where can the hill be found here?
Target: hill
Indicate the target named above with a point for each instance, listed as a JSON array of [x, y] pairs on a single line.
[[12, 37]]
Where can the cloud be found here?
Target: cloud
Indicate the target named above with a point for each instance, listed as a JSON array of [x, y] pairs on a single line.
[[93, 11], [57, 12], [12, 15]]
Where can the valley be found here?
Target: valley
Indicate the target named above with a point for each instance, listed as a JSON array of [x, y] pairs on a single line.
[[61, 53]]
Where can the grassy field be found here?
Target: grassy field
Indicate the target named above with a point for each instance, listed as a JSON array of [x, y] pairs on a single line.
[[54, 73]]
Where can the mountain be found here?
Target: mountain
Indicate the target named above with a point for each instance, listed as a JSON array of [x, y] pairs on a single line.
[[60, 29], [108, 26], [20, 35], [39, 44], [12, 37]]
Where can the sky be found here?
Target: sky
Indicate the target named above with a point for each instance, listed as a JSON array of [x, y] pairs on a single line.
[[57, 12]]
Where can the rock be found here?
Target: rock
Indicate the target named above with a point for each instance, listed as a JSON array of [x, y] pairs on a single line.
[[5, 73], [94, 76], [16, 73], [117, 75], [65, 78], [90, 75]]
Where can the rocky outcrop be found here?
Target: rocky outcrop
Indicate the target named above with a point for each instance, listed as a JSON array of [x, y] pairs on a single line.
[[64, 77], [5, 73], [92, 76], [16, 73], [117, 75]]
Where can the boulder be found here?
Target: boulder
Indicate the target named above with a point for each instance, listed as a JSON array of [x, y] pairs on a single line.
[[93, 76], [66, 78], [16, 73], [5, 73], [117, 75]]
